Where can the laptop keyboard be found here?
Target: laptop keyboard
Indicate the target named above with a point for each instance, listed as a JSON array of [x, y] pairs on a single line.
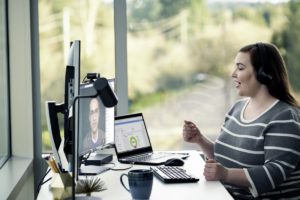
[[173, 174], [147, 157]]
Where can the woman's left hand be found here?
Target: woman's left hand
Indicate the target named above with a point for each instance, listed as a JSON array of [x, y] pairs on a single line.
[[214, 171]]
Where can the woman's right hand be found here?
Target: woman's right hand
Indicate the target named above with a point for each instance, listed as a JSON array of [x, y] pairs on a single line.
[[191, 133]]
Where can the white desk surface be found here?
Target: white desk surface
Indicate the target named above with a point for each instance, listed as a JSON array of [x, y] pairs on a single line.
[[203, 189]]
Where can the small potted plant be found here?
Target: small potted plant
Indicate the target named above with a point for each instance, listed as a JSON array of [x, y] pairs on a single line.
[[89, 185]]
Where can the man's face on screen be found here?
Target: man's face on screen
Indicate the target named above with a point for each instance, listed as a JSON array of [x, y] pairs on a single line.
[[94, 114]]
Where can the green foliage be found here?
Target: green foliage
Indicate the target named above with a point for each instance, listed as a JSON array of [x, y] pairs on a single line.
[[168, 42], [288, 40], [142, 101], [144, 11], [151, 99], [170, 8], [153, 10], [46, 141], [97, 42], [198, 15], [244, 13]]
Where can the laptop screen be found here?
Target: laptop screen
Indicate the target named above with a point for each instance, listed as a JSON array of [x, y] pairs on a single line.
[[131, 133]]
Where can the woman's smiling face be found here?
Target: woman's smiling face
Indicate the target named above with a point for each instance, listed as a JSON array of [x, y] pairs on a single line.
[[244, 76]]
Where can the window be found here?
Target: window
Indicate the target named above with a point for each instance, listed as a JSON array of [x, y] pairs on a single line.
[[181, 55], [174, 68], [89, 21], [4, 91]]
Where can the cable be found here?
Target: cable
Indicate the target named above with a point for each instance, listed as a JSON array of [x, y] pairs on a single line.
[[84, 158], [41, 182], [46, 180], [121, 169], [116, 169], [85, 79]]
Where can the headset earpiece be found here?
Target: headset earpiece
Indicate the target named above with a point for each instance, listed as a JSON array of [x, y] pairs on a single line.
[[261, 75]]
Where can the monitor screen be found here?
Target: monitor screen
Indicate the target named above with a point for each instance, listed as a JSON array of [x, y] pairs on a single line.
[[131, 133], [96, 122]]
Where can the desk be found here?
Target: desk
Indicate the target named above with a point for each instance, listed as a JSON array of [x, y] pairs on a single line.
[[203, 189]]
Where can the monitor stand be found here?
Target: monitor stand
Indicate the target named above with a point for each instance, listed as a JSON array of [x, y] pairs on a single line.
[[98, 159], [92, 165], [91, 170]]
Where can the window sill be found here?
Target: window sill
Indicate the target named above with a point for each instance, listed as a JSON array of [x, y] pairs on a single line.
[[13, 175]]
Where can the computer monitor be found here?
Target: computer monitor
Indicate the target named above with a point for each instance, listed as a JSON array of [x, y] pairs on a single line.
[[96, 122], [72, 83]]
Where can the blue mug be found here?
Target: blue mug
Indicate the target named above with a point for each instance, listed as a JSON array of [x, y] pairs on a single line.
[[140, 183]]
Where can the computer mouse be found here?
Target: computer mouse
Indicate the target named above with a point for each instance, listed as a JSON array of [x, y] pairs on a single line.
[[174, 162]]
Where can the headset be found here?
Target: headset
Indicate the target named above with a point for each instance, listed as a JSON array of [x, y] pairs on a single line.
[[261, 75]]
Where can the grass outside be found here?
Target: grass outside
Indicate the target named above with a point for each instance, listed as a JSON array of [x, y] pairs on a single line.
[[46, 141]]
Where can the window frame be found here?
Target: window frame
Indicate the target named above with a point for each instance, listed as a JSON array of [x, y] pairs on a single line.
[[24, 169], [4, 159]]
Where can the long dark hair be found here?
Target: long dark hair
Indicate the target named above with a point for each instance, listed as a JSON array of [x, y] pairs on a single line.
[[274, 67]]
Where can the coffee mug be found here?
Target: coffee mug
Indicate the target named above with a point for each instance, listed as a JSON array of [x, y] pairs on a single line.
[[140, 183]]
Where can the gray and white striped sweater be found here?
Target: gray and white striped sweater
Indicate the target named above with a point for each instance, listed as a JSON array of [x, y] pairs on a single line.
[[267, 148]]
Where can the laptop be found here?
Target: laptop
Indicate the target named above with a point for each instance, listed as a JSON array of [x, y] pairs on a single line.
[[132, 142]]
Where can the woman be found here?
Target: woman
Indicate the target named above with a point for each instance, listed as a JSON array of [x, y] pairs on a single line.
[[257, 153]]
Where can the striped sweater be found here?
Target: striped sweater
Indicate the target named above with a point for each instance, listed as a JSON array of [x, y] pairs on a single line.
[[266, 148]]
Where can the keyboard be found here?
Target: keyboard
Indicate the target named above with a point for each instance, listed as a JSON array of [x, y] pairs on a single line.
[[173, 174]]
